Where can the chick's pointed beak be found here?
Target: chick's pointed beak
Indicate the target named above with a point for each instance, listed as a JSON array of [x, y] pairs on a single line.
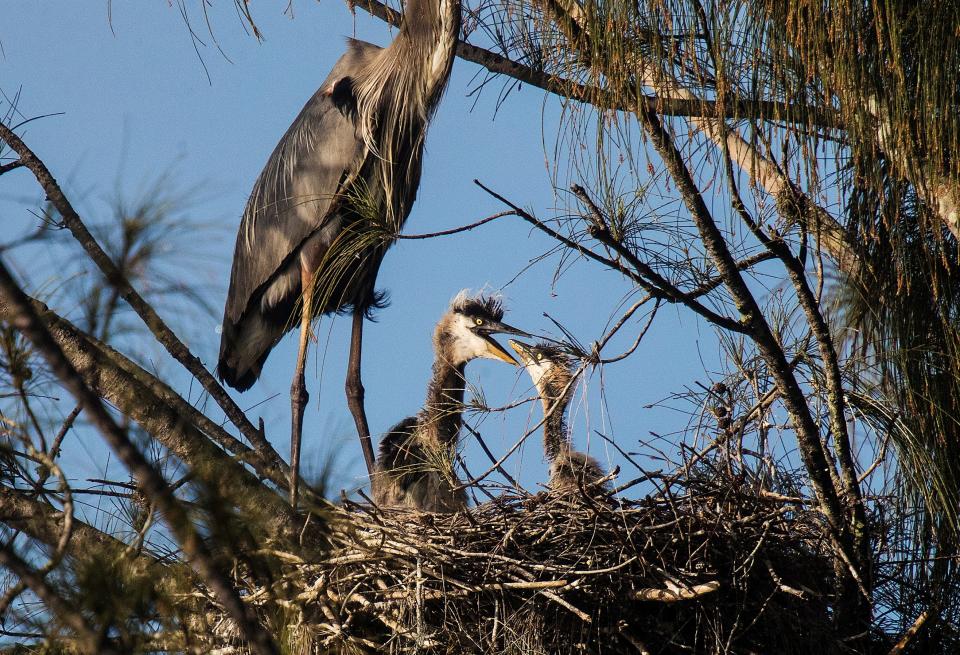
[[523, 350], [496, 327], [496, 351]]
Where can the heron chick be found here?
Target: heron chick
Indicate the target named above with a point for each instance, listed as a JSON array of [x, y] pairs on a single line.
[[415, 466], [552, 374]]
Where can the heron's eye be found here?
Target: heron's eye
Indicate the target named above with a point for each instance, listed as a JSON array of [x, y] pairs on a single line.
[[539, 356], [478, 321]]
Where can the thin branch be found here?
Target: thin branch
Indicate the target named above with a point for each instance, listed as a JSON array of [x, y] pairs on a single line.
[[586, 252], [483, 444], [6, 168], [456, 230], [64, 429], [806, 429], [667, 291], [115, 277]]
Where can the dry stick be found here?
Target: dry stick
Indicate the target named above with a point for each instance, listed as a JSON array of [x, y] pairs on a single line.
[[604, 99], [151, 482], [911, 632], [55, 603], [115, 277], [674, 595], [455, 230]]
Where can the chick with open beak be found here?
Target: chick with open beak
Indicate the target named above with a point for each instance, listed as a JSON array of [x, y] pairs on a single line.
[[415, 465], [552, 374]]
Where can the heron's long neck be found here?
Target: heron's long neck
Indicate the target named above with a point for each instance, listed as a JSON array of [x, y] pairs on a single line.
[[397, 94], [441, 416], [555, 439], [431, 28]]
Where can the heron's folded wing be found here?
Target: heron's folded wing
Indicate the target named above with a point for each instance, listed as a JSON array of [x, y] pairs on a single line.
[[292, 196]]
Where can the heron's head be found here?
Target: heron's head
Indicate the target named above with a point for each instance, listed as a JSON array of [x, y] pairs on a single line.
[[464, 332], [549, 367]]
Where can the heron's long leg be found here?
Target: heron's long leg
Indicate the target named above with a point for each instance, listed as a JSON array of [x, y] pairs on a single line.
[[298, 388], [354, 387]]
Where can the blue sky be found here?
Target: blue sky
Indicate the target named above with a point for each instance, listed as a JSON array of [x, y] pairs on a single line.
[[137, 102]]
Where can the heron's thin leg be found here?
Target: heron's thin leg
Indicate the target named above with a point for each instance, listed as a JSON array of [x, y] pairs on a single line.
[[298, 388], [354, 387]]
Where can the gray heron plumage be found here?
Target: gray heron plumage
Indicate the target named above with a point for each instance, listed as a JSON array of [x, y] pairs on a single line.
[[334, 193], [415, 467], [552, 374]]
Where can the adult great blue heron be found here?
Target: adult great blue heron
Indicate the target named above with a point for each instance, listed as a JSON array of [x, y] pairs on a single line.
[[337, 188], [415, 468], [551, 373]]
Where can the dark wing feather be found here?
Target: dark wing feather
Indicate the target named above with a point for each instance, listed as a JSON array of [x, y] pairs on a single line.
[[290, 202]]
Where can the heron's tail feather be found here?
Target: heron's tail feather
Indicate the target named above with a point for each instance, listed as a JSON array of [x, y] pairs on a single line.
[[245, 345]]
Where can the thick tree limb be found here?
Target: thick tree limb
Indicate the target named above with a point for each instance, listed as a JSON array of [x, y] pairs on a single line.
[[121, 382], [151, 482]]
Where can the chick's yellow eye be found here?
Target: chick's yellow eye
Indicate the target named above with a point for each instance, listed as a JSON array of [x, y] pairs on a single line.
[[478, 321]]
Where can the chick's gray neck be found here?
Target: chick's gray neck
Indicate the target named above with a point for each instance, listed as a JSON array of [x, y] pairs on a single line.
[[555, 424], [442, 414]]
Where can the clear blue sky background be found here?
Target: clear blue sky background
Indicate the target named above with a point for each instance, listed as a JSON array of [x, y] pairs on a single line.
[[137, 103]]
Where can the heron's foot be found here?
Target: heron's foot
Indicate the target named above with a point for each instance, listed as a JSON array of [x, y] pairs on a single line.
[[298, 403]]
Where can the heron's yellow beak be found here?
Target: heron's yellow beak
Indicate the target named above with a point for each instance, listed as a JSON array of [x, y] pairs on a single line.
[[496, 351]]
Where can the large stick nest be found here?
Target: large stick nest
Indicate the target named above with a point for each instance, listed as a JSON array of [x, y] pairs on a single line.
[[707, 564]]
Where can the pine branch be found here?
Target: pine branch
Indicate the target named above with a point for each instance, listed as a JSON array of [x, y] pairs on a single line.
[[94, 640], [605, 99]]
